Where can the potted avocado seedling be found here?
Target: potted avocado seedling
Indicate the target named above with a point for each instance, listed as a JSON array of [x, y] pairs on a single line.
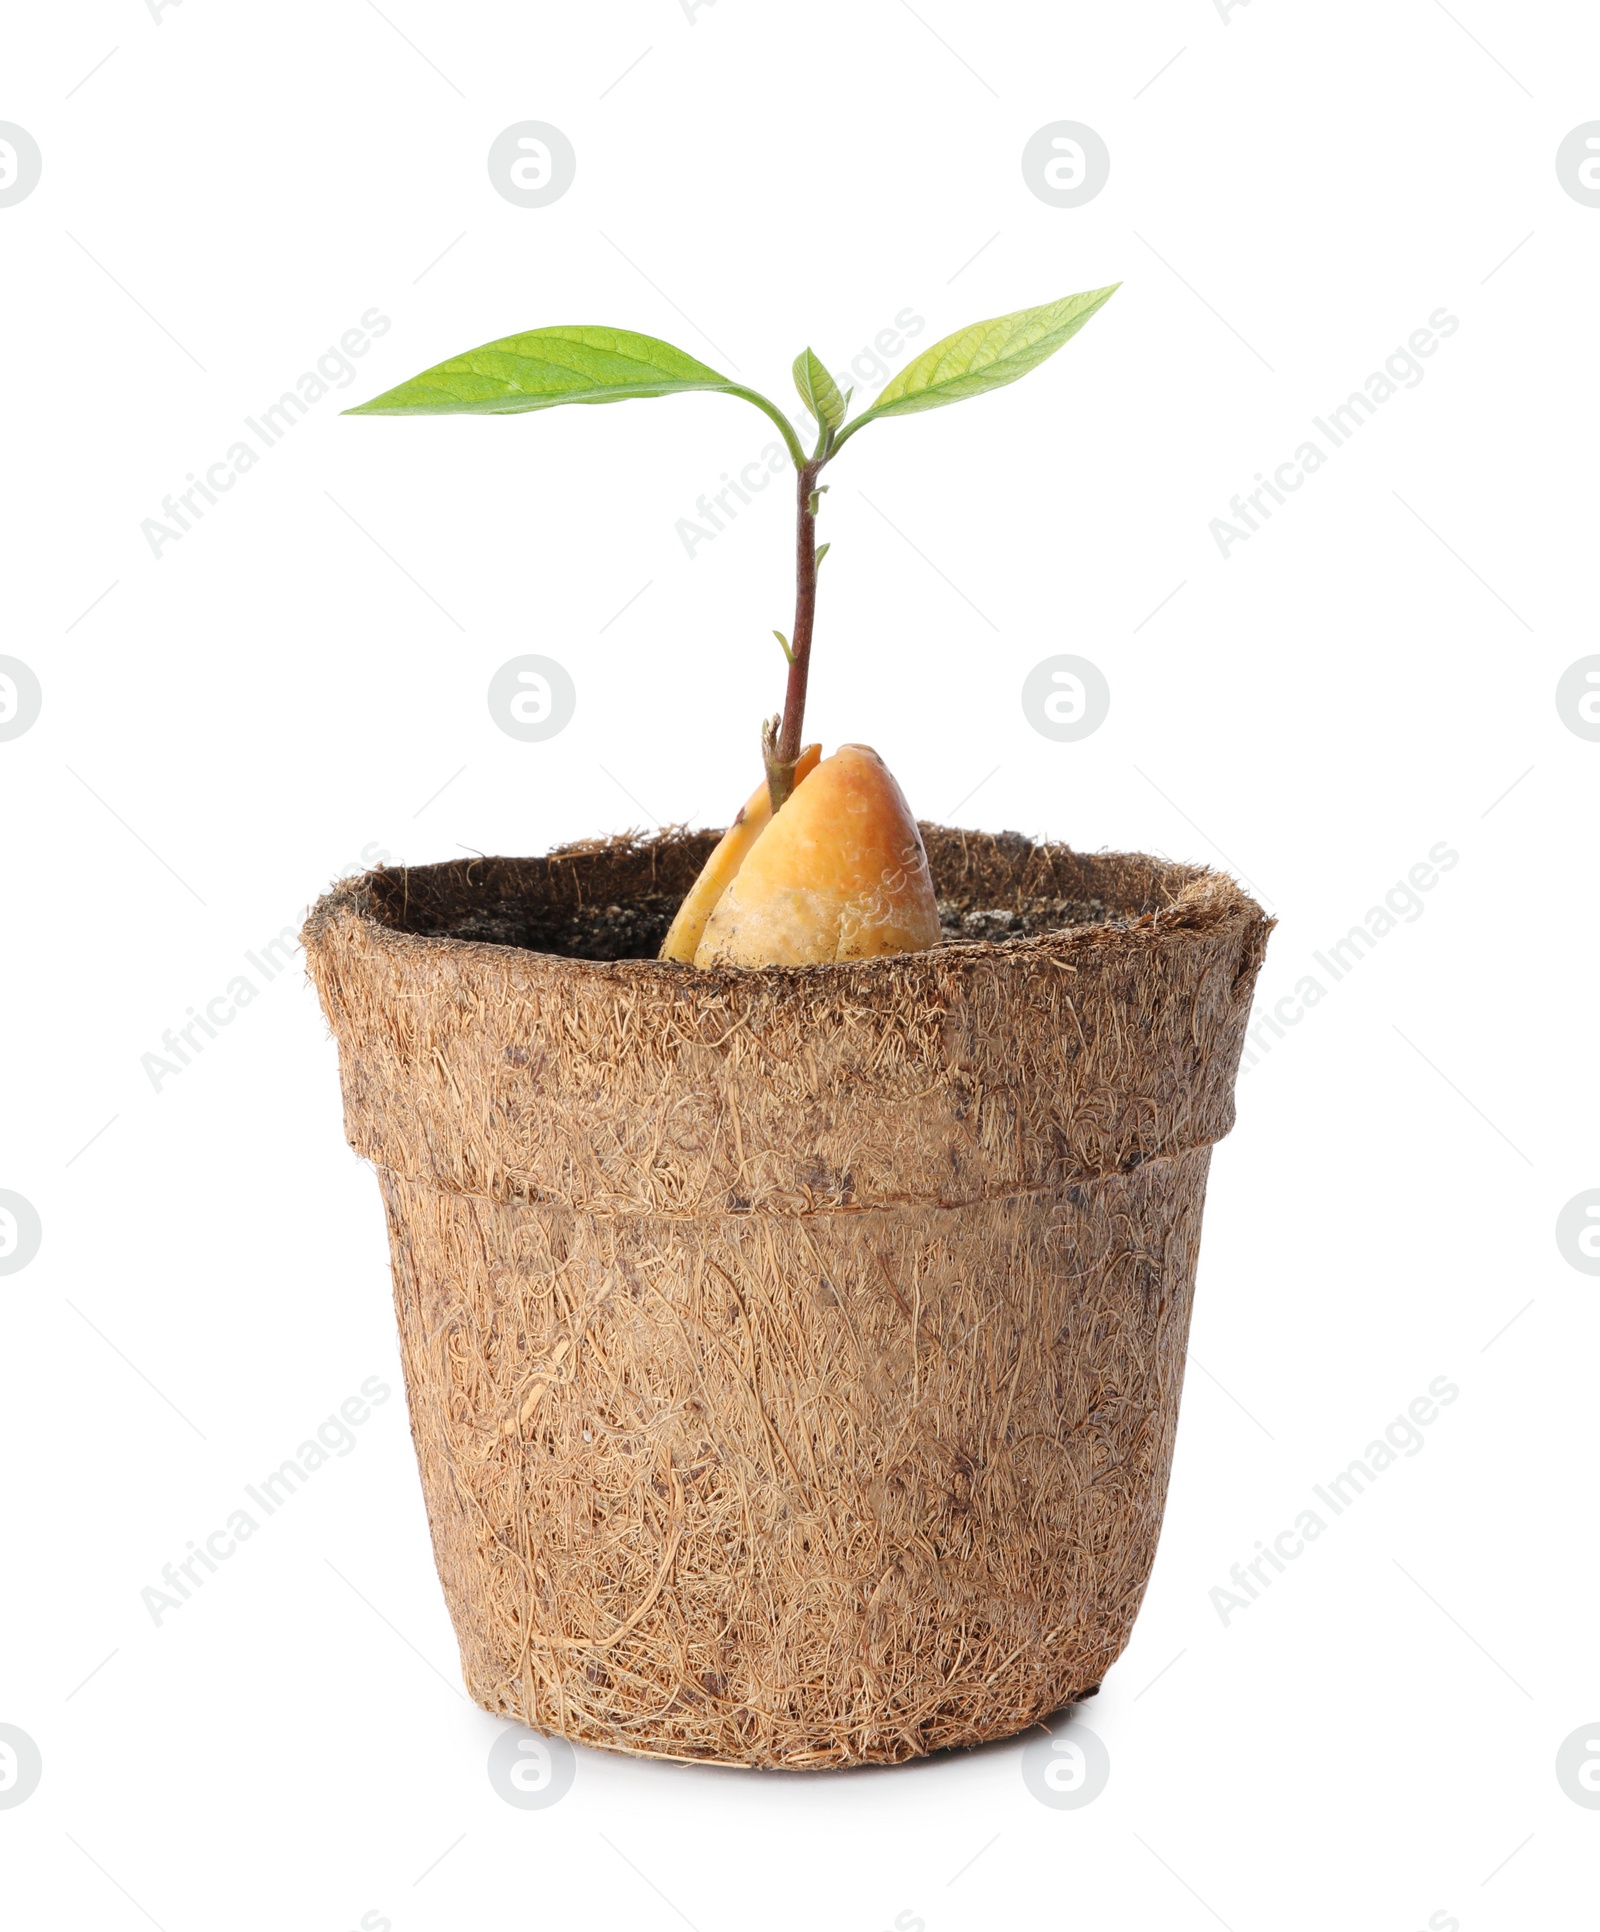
[[793, 1228]]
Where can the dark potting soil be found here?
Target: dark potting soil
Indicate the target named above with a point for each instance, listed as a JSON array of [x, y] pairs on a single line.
[[636, 930], [615, 899], [958, 922], [631, 931]]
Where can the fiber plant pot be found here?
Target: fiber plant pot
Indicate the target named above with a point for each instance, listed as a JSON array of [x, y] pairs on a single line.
[[793, 1356]]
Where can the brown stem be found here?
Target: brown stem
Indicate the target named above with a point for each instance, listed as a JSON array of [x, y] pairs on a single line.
[[782, 750]]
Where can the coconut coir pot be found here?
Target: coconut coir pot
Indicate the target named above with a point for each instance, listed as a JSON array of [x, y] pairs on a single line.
[[793, 1357]]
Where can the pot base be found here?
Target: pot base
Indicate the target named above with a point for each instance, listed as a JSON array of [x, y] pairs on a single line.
[[835, 1489]]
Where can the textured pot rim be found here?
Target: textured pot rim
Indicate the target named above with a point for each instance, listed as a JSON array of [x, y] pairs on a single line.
[[1205, 902]]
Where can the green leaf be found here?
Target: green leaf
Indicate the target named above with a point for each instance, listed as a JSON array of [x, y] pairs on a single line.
[[544, 367], [985, 356], [818, 391], [575, 363]]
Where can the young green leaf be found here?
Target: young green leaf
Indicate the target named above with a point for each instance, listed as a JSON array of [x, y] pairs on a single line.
[[542, 368], [985, 356], [818, 391]]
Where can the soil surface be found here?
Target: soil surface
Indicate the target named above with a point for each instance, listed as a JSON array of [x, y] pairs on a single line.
[[615, 898], [958, 921], [631, 931], [636, 930]]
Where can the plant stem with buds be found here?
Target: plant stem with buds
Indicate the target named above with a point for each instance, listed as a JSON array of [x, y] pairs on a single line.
[[780, 739]]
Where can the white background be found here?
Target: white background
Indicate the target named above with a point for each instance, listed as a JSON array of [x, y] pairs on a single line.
[[1371, 1742]]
